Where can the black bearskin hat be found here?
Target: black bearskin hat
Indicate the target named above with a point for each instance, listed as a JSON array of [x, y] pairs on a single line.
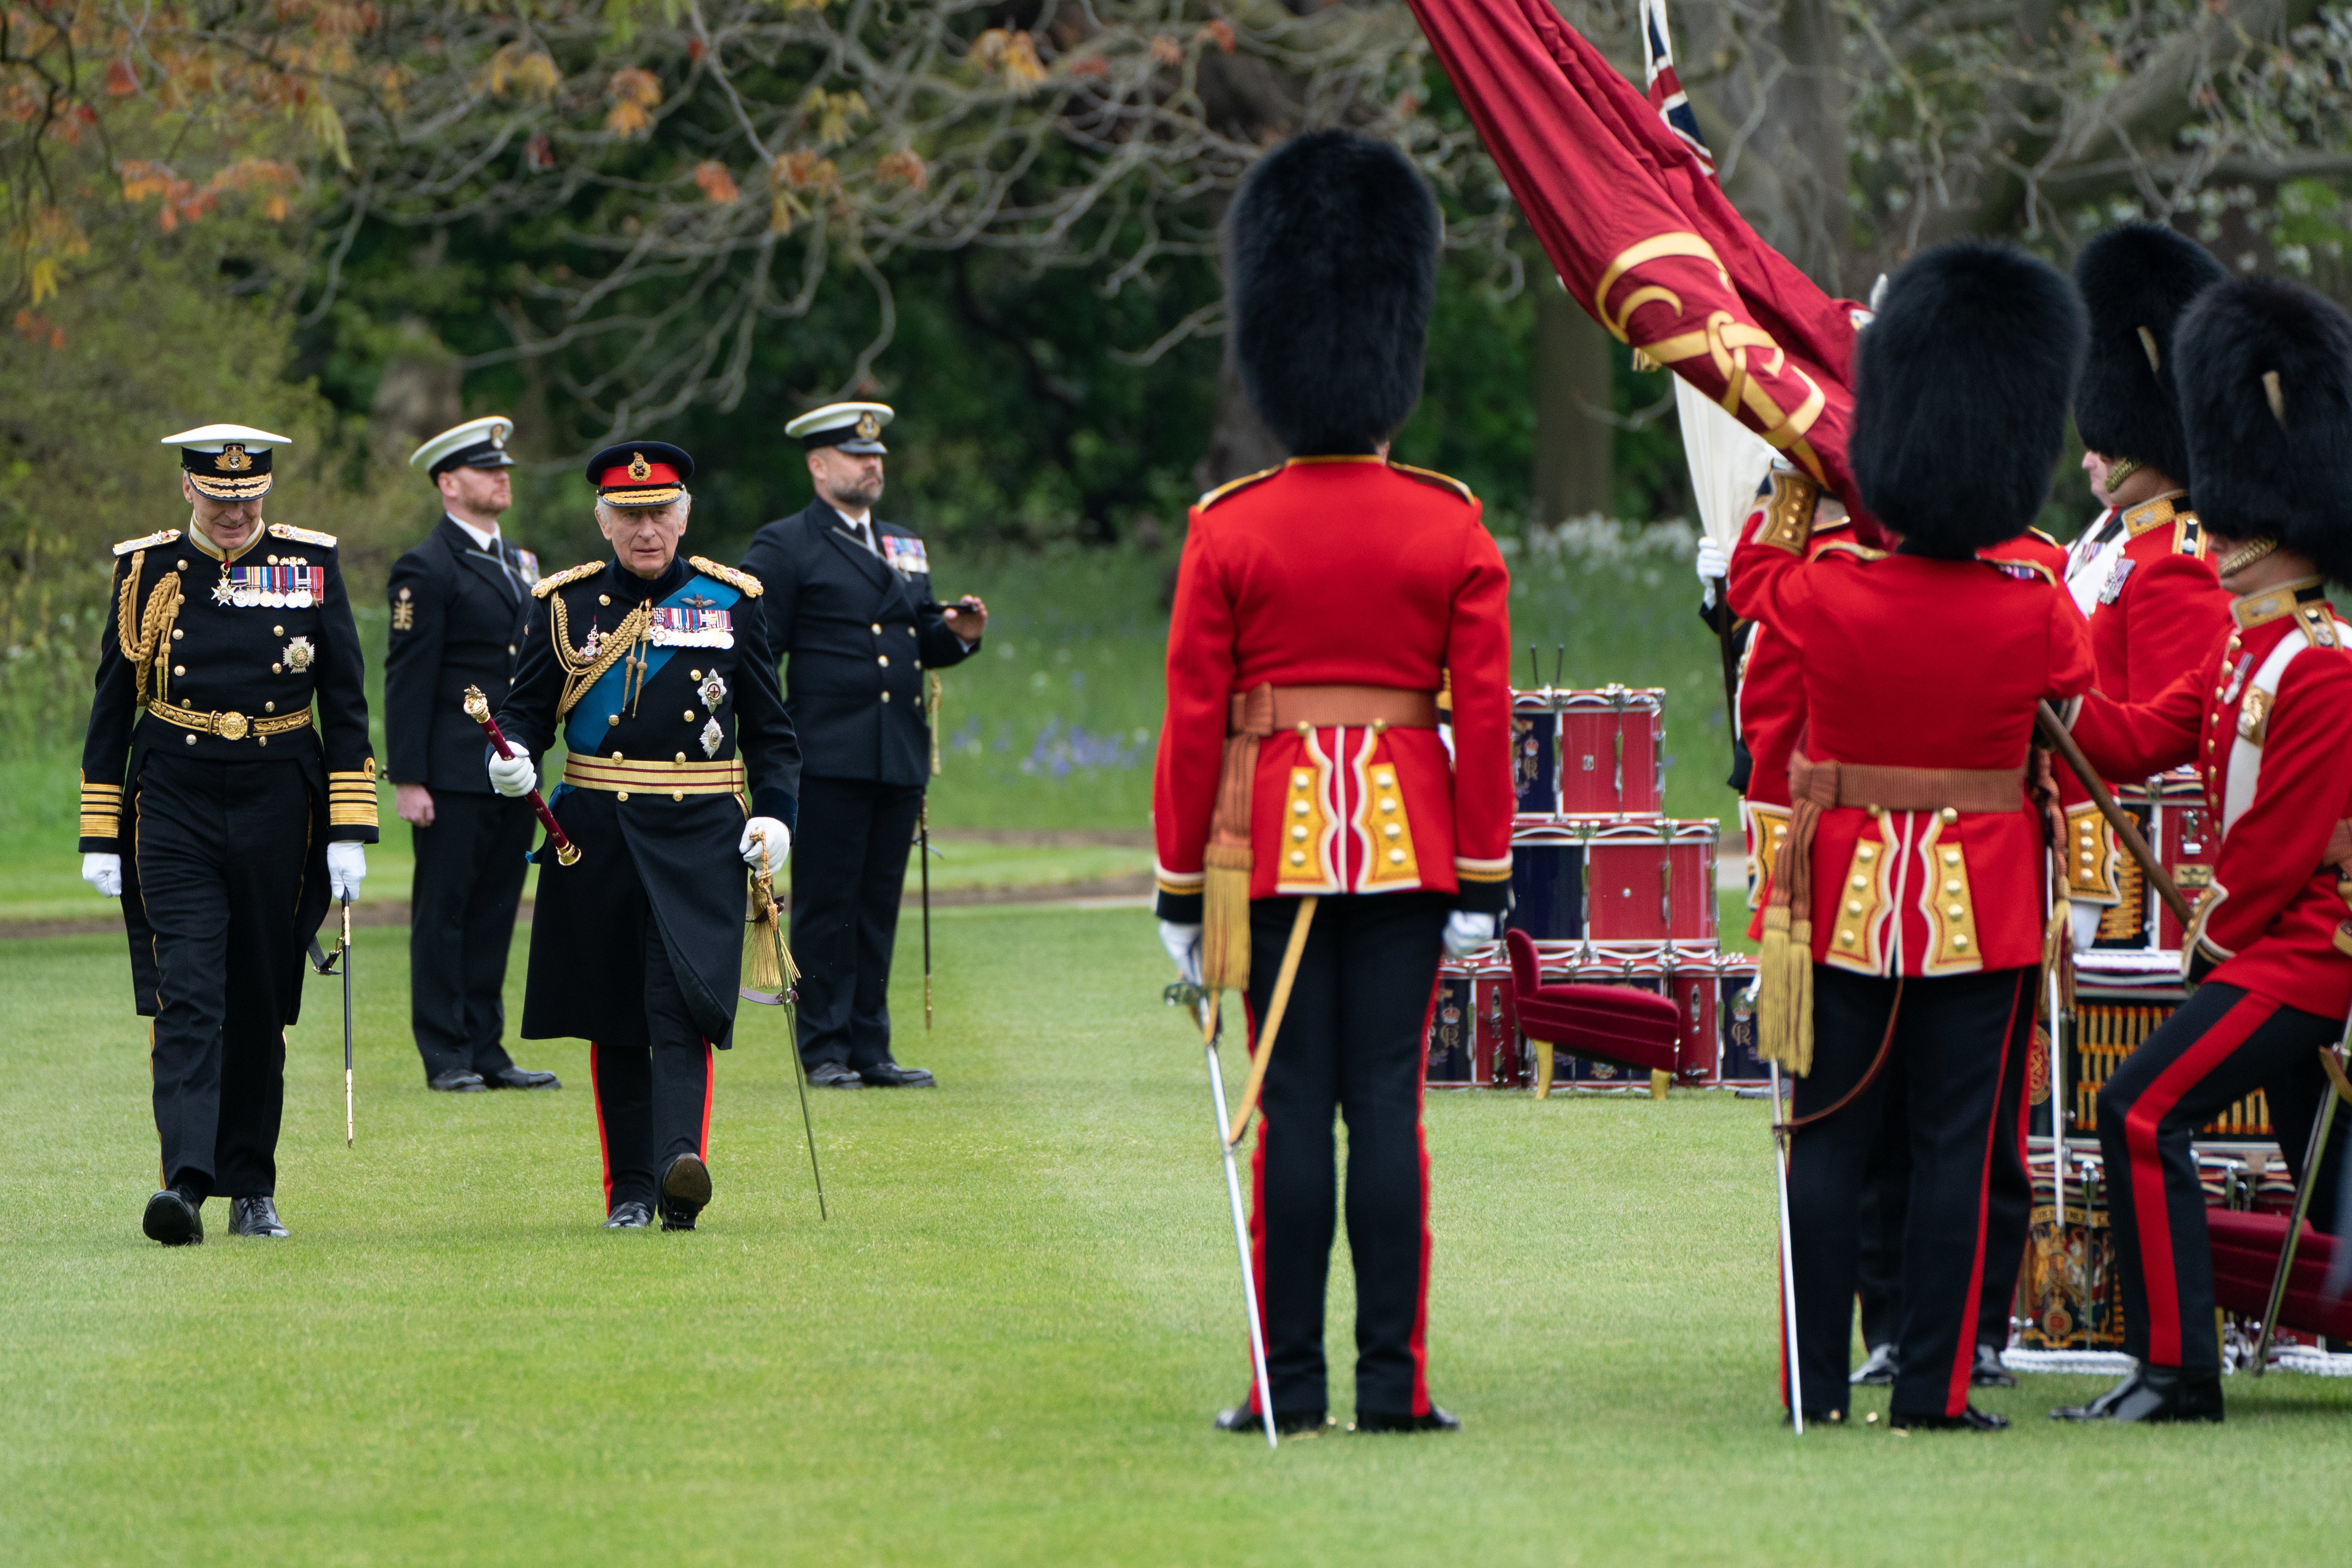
[[2266, 398], [2136, 280], [1331, 267], [1960, 394]]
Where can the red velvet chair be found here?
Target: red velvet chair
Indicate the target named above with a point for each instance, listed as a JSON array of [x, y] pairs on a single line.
[[1615, 1024], [2245, 1258]]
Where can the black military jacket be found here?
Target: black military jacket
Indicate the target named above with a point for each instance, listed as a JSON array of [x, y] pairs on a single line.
[[689, 702], [859, 634], [253, 658], [457, 618]]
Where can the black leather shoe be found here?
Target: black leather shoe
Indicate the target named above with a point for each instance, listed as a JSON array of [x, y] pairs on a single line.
[[685, 1190], [1290, 1424], [521, 1078], [890, 1075], [833, 1075], [630, 1214], [457, 1080], [254, 1216], [2153, 1394], [1970, 1419], [173, 1218], [1816, 1418], [1988, 1372], [1876, 1372], [1435, 1421]]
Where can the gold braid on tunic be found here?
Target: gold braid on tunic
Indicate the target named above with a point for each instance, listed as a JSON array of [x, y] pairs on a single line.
[[582, 670], [141, 635]]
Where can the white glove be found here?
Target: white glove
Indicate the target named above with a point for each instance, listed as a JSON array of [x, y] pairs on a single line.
[[1465, 933], [1183, 945], [104, 874], [346, 869], [1712, 564], [774, 841], [2086, 925], [513, 777]]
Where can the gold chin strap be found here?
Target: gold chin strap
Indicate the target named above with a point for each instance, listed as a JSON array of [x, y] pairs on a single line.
[[2119, 472], [2245, 556]]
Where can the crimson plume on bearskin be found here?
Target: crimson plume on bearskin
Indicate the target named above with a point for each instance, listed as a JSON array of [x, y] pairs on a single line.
[[2138, 279], [1960, 394], [2261, 471], [1331, 267]]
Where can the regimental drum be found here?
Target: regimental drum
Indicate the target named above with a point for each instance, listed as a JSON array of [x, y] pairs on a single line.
[[2069, 1298], [1716, 995], [1650, 881], [1613, 757], [1547, 878], [2109, 1027], [1474, 1038], [1535, 750], [2172, 815]]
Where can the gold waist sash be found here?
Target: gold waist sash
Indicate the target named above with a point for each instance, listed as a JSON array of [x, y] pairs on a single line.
[[677, 780]]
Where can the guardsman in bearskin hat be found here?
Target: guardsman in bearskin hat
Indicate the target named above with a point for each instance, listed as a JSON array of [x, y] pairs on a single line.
[[2140, 571], [2265, 381], [1904, 925], [226, 815], [654, 668], [1321, 608]]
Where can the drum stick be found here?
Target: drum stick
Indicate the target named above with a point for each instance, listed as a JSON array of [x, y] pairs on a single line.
[[1279, 1004], [2053, 730]]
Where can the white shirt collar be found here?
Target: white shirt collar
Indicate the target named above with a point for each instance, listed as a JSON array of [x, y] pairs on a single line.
[[486, 542], [859, 527]]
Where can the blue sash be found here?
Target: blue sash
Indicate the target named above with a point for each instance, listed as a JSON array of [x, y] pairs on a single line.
[[586, 729]]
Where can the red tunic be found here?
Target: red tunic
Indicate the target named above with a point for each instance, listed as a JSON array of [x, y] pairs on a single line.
[[2266, 720], [1342, 572], [1918, 663]]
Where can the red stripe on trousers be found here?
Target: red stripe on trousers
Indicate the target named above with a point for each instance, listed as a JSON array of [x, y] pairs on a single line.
[[603, 1145], [2157, 1282], [710, 1091], [1964, 1352], [1420, 1344]]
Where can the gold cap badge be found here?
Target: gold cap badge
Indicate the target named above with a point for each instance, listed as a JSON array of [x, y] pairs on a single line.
[[868, 427], [233, 460], [639, 469]]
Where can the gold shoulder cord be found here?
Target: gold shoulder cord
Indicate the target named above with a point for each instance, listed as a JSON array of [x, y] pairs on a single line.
[[581, 672], [141, 639]]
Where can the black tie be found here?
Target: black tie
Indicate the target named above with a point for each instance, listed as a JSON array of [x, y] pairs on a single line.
[[505, 554]]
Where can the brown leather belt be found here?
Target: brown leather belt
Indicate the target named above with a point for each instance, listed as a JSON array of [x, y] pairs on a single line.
[[1828, 784], [1266, 709]]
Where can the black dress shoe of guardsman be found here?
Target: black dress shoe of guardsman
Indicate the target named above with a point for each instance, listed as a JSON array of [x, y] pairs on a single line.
[[685, 1189], [833, 1075], [457, 1080], [630, 1214], [1969, 1419], [1435, 1421], [1988, 1372], [521, 1078], [1876, 1372], [254, 1216], [2153, 1393], [173, 1218], [1816, 1418], [1287, 1423], [890, 1075]]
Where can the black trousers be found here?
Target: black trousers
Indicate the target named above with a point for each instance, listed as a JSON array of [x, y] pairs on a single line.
[[1961, 1042], [849, 869], [221, 850], [1351, 1041], [469, 873], [2221, 1045], [653, 1102]]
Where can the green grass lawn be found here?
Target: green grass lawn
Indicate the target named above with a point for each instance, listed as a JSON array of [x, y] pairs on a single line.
[[1005, 1347]]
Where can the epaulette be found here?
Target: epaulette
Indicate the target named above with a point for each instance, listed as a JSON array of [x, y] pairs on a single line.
[[546, 585], [741, 582], [1431, 477], [150, 541], [2188, 535], [2317, 620], [1210, 498], [301, 535], [2046, 537], [2023, 571], [1848, 547]]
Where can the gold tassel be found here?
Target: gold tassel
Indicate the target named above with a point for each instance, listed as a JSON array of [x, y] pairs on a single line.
[[766, 941], [1784, 992], [1226, 918], [2057, 956]]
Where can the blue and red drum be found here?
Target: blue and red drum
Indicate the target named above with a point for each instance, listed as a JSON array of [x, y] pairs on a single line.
[[1473, 1038], [1535, 751], [1548, 878], [1650, 881], [1612, 758]]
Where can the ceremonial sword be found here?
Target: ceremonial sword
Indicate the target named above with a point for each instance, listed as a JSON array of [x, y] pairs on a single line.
[[340, 964], [785, 996]]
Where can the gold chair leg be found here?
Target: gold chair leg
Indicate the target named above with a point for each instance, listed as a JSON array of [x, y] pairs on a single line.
[[1543, 1069]]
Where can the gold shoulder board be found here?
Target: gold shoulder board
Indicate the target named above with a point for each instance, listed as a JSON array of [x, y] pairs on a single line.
[[1212, 498], [743, 582], [546, 585], [2188, 535], [301, 535], [1788, 512], [1848, 547], [167, 536], [2045, 536], [2319, 621], [1431, 477]]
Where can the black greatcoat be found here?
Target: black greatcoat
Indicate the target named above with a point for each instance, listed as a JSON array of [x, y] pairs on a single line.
[[859, 634], [457, 616], [649, 857]]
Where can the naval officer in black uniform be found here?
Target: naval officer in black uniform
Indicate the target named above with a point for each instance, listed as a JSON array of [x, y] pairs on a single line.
[[222, 812], [850, 601], [653, 666], [457, 612]]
